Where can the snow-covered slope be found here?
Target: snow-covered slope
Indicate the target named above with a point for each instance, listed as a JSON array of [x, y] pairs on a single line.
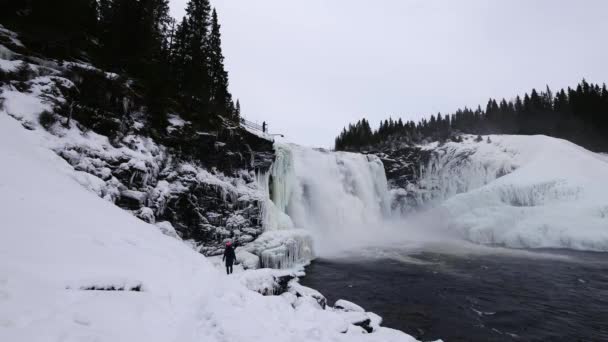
[[521, 191], [60, 242]]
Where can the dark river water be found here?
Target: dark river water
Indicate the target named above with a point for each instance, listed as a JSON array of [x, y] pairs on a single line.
[[476, 297]]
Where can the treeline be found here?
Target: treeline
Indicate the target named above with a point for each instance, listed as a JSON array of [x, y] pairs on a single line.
[[579, 115], [177, 66]]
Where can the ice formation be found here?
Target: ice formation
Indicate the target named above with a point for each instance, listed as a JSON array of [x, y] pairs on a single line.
[[282, 248], [521, 191]]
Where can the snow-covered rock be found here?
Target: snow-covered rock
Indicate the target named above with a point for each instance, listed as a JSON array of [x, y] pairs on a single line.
[[345, 305], [555, 195], [248, 260], [517, 191], [267, 281]]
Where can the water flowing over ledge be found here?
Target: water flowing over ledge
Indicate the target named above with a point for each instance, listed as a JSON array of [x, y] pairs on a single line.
[[333, 198]]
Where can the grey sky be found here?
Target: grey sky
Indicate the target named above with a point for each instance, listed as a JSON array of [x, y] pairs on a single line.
[[310, 67]]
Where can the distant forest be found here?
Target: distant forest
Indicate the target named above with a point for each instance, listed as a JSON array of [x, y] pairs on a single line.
[[579, 115], [171, 66]]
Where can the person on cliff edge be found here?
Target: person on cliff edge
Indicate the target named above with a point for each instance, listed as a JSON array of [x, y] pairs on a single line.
[[229, 256]]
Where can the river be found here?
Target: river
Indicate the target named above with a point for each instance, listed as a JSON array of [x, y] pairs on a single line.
[[527, 296]]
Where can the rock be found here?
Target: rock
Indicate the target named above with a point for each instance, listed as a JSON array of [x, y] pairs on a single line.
[[267, 282], [146, 214], [357, 316], [347, 306], [244, 239], [302, 291], [167, 229], [376, 320], [365, 324], [131, 199]]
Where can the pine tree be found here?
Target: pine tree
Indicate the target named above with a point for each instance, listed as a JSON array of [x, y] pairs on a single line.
[[195, 72], [220, 97], [237, 110]]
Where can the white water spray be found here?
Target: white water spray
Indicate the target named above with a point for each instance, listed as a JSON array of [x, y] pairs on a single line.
[[341, 198]]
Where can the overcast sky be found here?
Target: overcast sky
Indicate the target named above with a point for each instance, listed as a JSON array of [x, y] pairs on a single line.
[[308, 68]]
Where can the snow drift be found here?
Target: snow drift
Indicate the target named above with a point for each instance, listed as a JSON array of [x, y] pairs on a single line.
[[74, 267], [521, 191]]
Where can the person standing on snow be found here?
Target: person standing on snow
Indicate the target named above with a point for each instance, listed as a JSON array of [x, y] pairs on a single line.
[[229, 257]]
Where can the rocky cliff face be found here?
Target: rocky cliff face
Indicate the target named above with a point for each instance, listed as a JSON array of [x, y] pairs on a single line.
[[200, 186], [206, 203], [424, 175]]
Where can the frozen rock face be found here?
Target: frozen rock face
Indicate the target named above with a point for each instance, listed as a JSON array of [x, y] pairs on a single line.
[[423, 176], [516, 191], [201, 186], [203, 204], [555, 197]]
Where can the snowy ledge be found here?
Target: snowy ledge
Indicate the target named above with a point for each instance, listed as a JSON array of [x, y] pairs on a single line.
[[353, 319]]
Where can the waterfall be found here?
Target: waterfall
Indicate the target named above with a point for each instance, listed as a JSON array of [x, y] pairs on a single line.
[[338, 198]]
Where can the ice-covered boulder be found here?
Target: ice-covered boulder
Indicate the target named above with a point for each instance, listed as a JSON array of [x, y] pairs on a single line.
[[167, 229], [283, 248], [306, 293], [356, 315], [345, 305], [249, 260], [267, 281]]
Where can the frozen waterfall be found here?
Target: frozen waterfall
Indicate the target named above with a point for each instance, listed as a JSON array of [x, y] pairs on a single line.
[[339, 198]]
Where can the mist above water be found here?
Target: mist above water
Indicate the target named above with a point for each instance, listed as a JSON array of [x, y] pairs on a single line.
[[343, 200]]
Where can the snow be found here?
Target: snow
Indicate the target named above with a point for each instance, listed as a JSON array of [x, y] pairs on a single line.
[[347, 306], [24, 106], [9, 66], [167, 228], [175, 122], [247, 260], [264, 280], [525, 192], [59, 242]]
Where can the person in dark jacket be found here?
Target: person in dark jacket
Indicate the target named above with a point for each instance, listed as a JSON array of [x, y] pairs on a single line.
[[229, 256]]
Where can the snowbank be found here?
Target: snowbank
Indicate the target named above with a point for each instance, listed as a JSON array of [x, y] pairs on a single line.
[[75, 267], [523, 192]]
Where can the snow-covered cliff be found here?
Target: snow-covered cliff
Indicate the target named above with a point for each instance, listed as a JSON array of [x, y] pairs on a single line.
[[200, 186], [517, 191]]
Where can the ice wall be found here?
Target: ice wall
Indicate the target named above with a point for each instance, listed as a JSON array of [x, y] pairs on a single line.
[[524, 192], [455, 168]]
